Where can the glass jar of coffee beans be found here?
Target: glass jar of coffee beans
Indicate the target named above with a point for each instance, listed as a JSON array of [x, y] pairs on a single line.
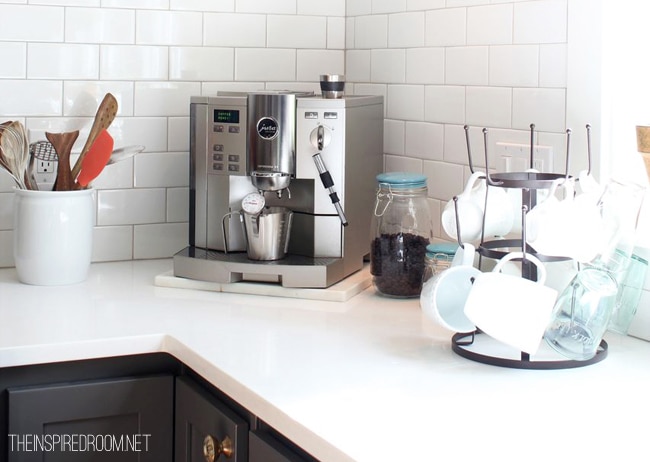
[[402, 229]]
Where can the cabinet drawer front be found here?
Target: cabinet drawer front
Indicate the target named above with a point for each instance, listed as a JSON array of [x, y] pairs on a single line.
[[199, 414], [128, 419]]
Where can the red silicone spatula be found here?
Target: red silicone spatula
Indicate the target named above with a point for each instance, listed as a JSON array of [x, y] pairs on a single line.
[[96, 159]]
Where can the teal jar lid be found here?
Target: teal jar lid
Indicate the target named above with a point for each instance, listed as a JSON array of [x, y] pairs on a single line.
[[404, 180], [448, 248]]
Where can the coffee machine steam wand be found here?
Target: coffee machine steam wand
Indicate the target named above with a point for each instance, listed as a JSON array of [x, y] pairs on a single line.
[[326, 178]]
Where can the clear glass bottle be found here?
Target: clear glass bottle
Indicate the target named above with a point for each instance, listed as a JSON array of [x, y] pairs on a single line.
[[402, 229]]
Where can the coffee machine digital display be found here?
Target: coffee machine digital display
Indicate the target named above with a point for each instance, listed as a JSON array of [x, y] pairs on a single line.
[[226, 116], [310, 175]]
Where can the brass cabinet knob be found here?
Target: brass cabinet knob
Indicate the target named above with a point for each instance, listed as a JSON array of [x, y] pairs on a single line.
[[212, 448]]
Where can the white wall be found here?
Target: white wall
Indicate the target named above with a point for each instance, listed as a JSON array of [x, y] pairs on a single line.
[[439, 63]]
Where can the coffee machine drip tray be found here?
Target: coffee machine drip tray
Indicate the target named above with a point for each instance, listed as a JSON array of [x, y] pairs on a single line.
[[293, 271]]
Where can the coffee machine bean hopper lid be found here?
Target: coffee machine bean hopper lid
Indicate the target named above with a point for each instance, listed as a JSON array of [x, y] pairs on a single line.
[[253, 203]]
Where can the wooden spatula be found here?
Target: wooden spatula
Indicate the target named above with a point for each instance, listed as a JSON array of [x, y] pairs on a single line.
[[103, 118], [62, 143], [95, 160]]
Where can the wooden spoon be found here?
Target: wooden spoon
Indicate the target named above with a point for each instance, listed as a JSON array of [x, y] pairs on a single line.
[[96, 159], [62, 143], [103, 118]]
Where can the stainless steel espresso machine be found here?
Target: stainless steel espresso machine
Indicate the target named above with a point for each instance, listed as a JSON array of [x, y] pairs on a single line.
[[282, 187]]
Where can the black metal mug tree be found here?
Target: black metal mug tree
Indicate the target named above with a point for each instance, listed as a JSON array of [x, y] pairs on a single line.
[[529, 182]]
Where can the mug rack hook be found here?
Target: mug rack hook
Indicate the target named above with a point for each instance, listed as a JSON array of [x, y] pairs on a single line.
[[489, 180], [460, 241], [469, 150]]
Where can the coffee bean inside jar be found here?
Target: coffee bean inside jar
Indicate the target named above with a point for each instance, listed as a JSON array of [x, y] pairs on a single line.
[[402, 231], [397, 264]]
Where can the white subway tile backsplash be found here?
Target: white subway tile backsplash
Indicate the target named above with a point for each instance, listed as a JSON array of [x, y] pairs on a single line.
[[147, 131], [336, 33], [528, 28], [131, 206], [438, 63], [405, 102], [406, 30], [178, 200], [30, 23], [160, 170], [286, 31], [178, 130], [133, 62], [424, 140], [265, 6], [358, 7], [357, 65], [6, 209], [14, 60], [234, 30], [112, 243], [553, 65], [82, 98], [514, 66], [394, 137], [402, 164], [328, 8], [99, 25], [164, 98], [137, 4], [388, 66], [371, 31], [312, 63], [489, 106], [446, 27], [545, 107], [6, 248], [466, 65], [489, 25], [202, 5], [388, 6], [168, 28], [425, 65], [62, 61], [416, 5], [444, 179], [45, 98], [264, 64], [159, 240], [444, 104]]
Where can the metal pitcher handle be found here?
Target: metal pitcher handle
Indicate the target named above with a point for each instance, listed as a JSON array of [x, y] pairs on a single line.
[[223, 228]]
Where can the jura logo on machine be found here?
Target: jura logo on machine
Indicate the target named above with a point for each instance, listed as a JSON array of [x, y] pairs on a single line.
[[267, 128]]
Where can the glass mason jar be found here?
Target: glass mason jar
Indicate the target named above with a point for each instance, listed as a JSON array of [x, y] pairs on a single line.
[[402, 230]]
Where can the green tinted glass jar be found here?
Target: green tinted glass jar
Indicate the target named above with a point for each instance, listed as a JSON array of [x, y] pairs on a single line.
[[402, 230]]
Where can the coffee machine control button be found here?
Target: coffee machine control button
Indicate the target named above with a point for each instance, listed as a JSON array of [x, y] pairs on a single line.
[[217, 147], [311, 115], [331, 115], [217, 167], [233, 157], [218, 128], [233, 168], [217, 157], [234, 129]]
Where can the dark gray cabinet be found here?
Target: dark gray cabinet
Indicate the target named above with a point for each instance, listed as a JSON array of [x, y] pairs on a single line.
[[165, 410], [206, 429], [126, 419]]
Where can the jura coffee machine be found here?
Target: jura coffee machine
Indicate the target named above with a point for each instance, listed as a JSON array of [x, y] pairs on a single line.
[[282, 187]]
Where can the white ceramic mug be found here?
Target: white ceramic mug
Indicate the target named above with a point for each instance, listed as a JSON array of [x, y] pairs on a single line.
[[567, 227], [53, 236], [472, 208], [464, 255], [509, 308]]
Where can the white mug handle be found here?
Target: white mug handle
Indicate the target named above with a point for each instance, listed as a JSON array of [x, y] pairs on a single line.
[[470, 183], [541, 269]]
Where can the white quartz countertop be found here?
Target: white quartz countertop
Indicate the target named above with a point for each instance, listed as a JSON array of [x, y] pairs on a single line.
[[370, 379]]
